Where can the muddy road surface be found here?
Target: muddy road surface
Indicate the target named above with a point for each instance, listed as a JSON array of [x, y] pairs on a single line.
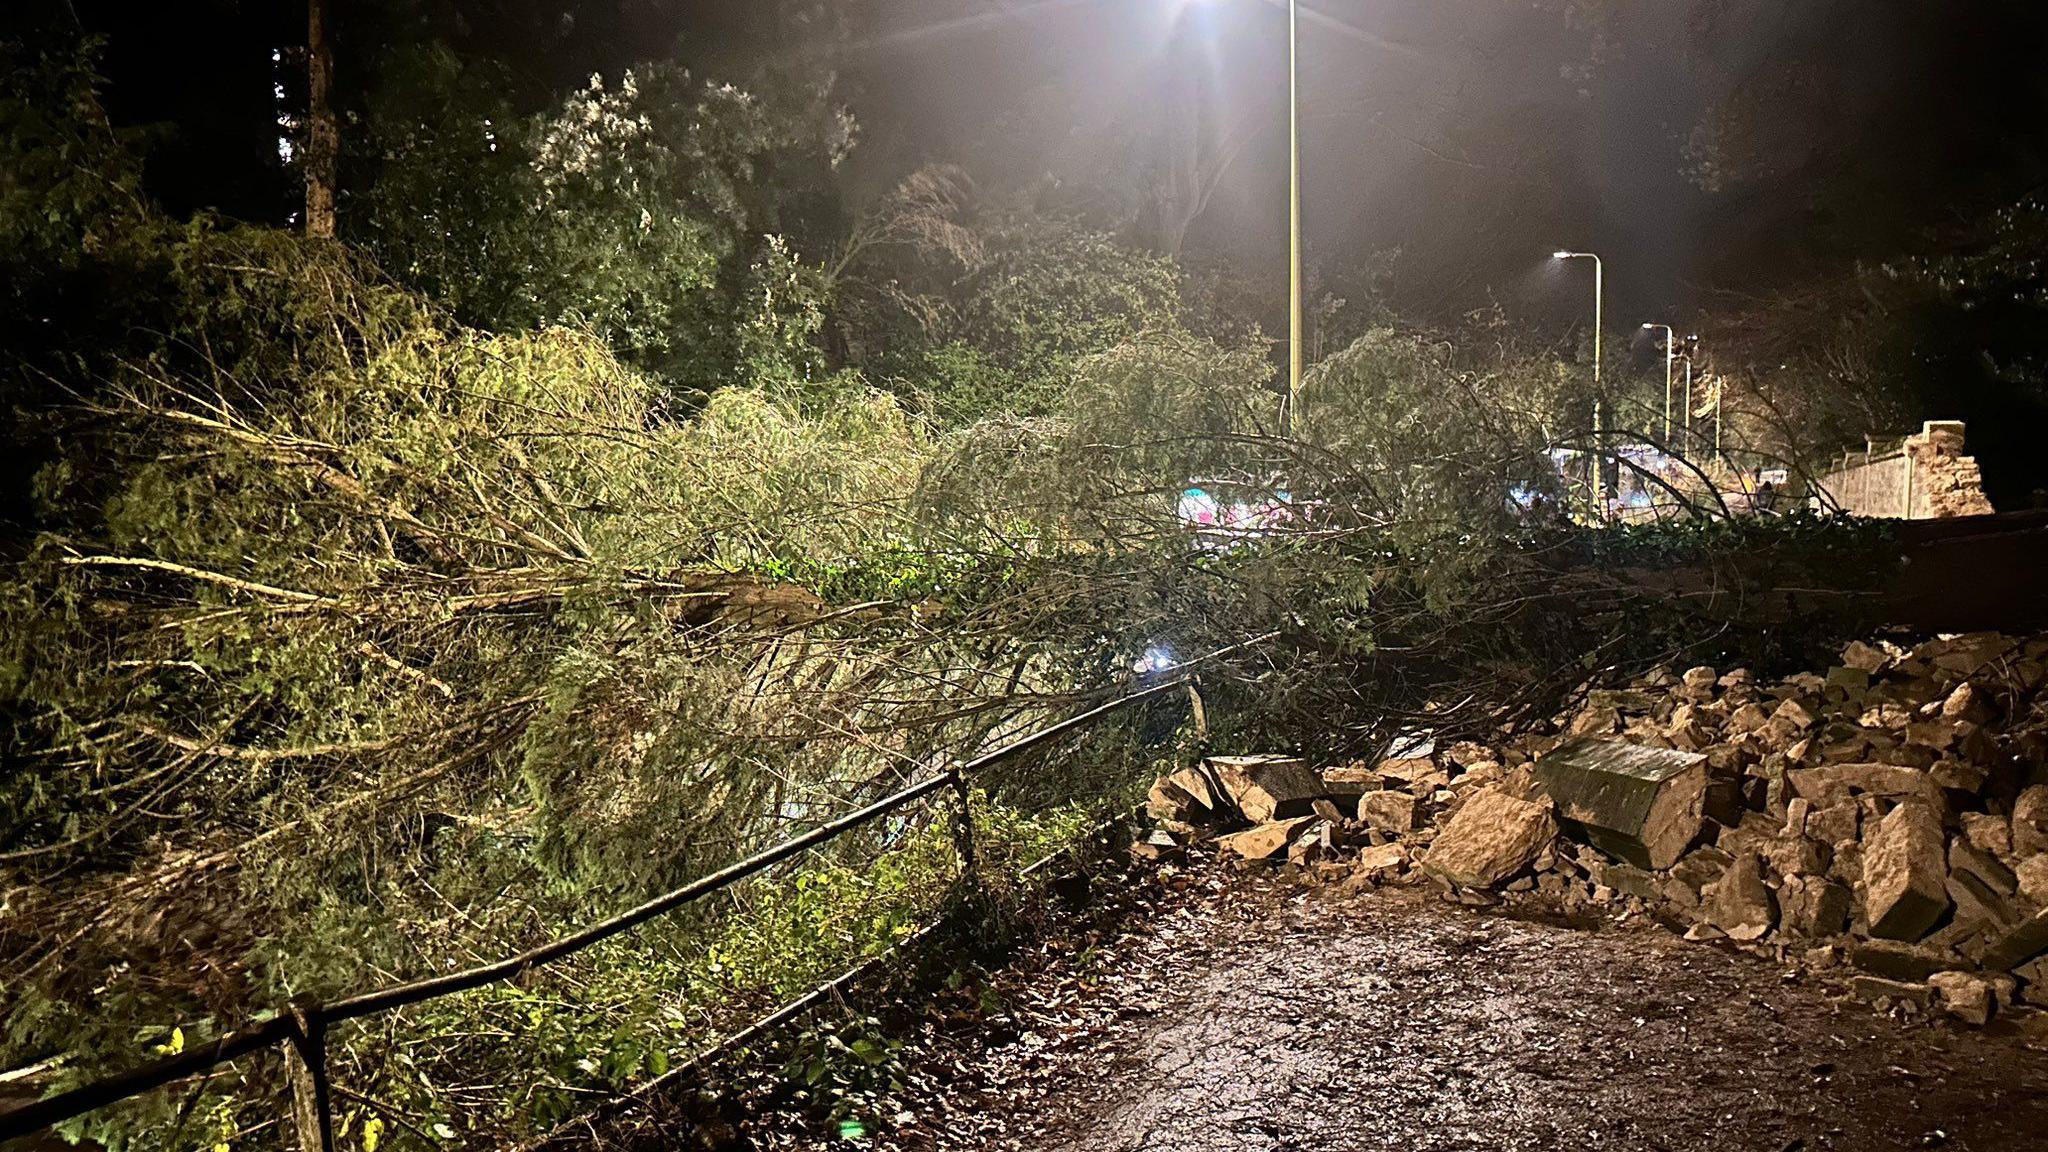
[[1264, 1018]]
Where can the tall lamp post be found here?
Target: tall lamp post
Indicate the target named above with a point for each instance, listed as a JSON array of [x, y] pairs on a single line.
[[1293, 226], [1670, 353], [1599, 274]]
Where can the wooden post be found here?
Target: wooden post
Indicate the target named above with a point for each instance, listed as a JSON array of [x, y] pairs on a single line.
[[305, 1065], [1201, 715], [963, 827]]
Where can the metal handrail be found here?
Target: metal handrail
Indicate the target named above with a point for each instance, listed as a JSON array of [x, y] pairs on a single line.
[[303, 1026]]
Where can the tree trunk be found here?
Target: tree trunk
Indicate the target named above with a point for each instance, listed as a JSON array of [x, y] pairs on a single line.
[[322, 139]]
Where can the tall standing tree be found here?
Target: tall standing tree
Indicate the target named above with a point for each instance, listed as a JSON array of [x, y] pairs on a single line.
[[322, 138]]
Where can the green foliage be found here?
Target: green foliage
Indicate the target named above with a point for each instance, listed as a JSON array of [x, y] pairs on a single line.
[[66, 178], [1435, 445], [970, 308], [638, 208]]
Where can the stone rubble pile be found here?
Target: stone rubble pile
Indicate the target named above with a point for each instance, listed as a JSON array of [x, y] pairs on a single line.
[[1888, 819]]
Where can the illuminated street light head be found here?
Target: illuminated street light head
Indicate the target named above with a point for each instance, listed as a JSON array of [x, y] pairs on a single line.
[[1560, 254]]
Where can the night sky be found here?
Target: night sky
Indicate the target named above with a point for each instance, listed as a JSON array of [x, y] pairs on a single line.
[[1448, 145]]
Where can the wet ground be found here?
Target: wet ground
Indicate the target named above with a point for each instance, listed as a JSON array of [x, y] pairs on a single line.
[[1255, 1017]]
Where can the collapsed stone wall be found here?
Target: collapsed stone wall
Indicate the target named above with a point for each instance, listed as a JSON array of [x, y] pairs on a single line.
[[1926, 478], [1886, 822]]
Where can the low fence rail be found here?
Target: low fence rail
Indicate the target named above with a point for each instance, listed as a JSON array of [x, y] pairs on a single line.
[[302, 1028]]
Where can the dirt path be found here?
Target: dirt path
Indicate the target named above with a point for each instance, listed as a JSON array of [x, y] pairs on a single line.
[[1267, 1019]]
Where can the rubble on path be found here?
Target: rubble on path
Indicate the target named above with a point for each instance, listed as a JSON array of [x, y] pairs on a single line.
[[1887, 817]]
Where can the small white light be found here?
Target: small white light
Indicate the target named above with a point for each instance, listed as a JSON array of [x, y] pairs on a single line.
[[1560, 254], [1155, 659]]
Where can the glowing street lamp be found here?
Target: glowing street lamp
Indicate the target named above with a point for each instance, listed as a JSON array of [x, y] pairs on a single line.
[[1670, 353], [1599, 274]]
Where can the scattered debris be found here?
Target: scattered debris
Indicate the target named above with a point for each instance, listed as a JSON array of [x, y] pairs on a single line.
[[1891, 811]]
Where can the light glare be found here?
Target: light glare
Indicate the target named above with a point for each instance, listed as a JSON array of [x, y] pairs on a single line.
[[1155, 659]]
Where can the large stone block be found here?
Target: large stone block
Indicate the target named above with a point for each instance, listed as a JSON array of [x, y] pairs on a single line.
[[1268, 788], [1490, 838], [1905, 873], [1641, 805]]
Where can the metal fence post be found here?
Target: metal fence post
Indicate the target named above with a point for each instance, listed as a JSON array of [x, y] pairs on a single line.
[[963, 827], [305, 1064]]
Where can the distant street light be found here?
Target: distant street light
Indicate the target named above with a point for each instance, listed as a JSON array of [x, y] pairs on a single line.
[[1670, 338], [1599, 273]]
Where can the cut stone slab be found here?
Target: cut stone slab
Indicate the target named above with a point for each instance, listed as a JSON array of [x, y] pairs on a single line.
[[1964, 856], [1200, 785], [1490, 838], [1896, 961], [1740, 903], [1268, 788], [1640, 805], [1169, 801], [1630, 880], [1978, 904], [2020, 943], [1265, 841], [1349, 780], [1905, 873], [1391, 812], [1877, 988]]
